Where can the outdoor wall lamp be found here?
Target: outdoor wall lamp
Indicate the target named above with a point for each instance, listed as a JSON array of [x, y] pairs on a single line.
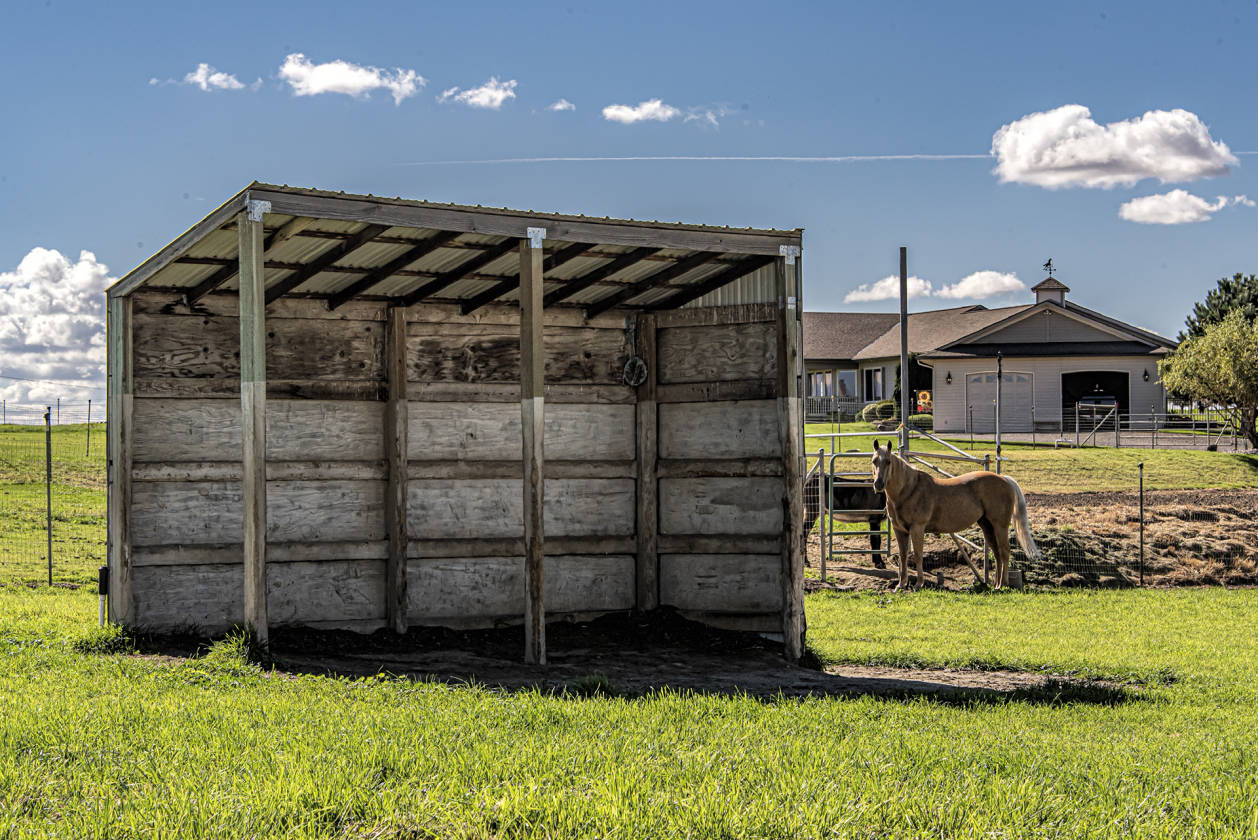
[[1146, 375], [948, 378]]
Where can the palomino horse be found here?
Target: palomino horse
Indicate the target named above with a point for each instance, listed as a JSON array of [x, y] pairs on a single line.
[[919, 503]]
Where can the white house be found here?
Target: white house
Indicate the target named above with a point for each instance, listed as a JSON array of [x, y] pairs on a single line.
[[1056, 354]]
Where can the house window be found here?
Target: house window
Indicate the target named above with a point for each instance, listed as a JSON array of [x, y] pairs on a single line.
[[873, 383], [846, 385]]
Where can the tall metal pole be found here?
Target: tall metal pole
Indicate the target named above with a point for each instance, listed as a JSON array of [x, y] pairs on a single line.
[[1000, 376], [904, 349], [88, 450], [48, 482], [1141, 466]]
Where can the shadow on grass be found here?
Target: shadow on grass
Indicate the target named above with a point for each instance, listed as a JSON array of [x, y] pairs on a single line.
[[627, 656]]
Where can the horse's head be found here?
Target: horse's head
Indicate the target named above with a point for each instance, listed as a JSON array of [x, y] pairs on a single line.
[[881, 464]]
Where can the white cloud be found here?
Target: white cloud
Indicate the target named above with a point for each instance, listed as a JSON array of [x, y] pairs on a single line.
[[207, 78], [52, 324], [888, 288], [981, 285], [709, 116], [490, 95], [309, 79], [1065, 147], [651, 109], [1176, 207], [561, 105]]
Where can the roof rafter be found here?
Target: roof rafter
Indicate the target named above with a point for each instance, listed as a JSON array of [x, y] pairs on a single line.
[[447, 278], [577, 284], [324, 261], [285, 232], [657, 278], [390, 268], [499, 289], [698, 290]]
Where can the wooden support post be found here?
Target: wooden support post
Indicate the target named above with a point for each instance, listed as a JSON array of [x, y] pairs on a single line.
[[648, 559], [532, 421], [118, 457], [253, 416], [790, 428], [395, 443]]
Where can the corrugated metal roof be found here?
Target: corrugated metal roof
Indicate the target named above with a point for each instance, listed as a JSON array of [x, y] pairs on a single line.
[[209, 250]]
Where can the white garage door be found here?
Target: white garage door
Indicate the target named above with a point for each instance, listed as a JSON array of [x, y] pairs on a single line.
[[1016, 398]]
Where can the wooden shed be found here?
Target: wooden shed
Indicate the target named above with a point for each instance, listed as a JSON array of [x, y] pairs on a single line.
[[347, 411]]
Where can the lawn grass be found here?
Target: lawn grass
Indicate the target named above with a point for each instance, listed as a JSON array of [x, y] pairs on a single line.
[[78, 503], [106, 745], [1088, 469]]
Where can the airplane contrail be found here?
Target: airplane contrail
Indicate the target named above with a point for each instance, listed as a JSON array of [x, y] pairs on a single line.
[[753, 158]]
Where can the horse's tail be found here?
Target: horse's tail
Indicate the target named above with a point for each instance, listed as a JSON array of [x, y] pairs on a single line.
[[1021, 522]]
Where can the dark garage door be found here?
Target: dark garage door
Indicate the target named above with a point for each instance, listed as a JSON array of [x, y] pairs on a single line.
[[1091, 386]]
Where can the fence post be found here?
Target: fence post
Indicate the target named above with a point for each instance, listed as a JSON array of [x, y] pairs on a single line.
[[87, 452], [1141, 468], [1118, 422], [1076, 425], [48, 483], [823, 502], [1153, 418]]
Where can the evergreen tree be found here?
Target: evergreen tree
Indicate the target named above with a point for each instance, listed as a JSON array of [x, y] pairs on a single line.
[[1238, 292]]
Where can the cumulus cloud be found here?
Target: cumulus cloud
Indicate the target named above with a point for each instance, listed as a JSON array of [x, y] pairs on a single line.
[[490, 95], [888, 288], [561, 105], [52, 324], [1065, 147], [651, 109], [981, 285], [207, 78], [309, 79], [1176, 207]]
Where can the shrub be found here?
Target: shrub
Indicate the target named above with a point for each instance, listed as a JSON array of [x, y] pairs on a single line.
[[881, 410], [925, 422]]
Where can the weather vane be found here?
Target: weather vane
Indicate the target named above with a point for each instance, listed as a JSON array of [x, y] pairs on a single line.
[[1048, 266]]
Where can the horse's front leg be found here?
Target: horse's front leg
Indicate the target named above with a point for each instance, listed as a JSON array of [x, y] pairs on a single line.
[[918, 537], [902, 543]]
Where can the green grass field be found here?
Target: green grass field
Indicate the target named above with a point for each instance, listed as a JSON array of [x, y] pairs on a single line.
[[108, 745], [1046, 470]]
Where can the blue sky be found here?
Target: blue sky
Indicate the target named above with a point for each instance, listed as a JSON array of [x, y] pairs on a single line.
[[95, 157]]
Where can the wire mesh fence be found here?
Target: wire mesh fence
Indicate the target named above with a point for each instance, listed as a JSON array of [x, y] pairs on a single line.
[[52, 495]]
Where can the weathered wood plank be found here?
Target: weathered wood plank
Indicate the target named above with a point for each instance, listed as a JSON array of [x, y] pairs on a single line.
[[712, 468], [515, 547], [721, 583], [396, 446], [153, 302], [508, 392], [491, 353], [717, 353], [300, 593], [223, 389], [277, 552], [275, 471], [736, 429], [699, 392], [707, 316], [791, 431], [201, 512], [296, 430], [698, 544], [515, 469], [647, 562], [197, 598], [491, 431], [208, 347], [721, 506], [252, 373], [494, 587], [119, 442], [493, 508]]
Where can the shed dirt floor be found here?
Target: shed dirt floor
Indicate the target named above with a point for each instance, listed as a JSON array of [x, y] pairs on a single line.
[[1191, 538], [632, 655]]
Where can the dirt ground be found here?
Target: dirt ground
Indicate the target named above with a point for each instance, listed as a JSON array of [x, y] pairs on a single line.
[[1191, 537], [632, 655]]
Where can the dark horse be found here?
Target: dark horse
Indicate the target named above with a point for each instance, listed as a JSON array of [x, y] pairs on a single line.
[[847, 494]]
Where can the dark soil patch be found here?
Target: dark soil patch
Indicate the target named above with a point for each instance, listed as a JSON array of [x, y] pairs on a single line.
[[629, 655]]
